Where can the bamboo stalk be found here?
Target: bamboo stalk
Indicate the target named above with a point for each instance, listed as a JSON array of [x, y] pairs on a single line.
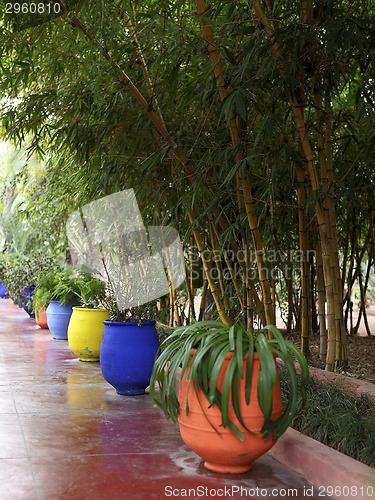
[[190, 300], [150, 87], [207, 269], [219, 268], [171, 307], [159, 125], [229, 266], [363, 289], [289, 286], [321, 303], [203, 300], [302, 229], [335, 357], [341, 348], [190, 282], [246, 190]]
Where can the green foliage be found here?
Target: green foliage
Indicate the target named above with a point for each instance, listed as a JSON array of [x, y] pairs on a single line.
[[212, 341], [337, 418], [68, 93], [93, 292], [2, 268], [23, 272], [61, 285], [23, 228], [164, 332], [139, 314]]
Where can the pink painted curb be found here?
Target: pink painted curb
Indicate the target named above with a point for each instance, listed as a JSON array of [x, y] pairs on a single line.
[[324, 467], [353, 384]]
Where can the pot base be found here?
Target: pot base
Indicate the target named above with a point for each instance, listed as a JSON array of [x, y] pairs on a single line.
[[87, 360], [227, 469], [131, 393]]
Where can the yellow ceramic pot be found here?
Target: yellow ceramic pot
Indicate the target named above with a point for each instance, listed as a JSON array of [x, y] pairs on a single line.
[[85, 332]]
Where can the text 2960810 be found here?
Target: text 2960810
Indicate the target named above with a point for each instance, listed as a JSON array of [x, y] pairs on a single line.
[[32, 8]]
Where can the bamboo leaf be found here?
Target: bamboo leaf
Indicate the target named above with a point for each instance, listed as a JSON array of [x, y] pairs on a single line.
[[215, 372], [227, 385], [232, 344], [249, 367], [240, 105], [239, 349], [265, 377]]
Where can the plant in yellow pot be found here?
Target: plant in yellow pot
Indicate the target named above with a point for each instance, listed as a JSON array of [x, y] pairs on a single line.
[[86, 325]]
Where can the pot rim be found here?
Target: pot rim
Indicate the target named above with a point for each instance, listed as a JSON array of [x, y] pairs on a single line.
[[230, 354], [93, 309], [128, 323], [67, 304]]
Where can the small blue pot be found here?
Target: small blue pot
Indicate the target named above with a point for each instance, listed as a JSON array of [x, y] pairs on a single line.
[[3, 290], [127, 355], [58, 317], [28, 293]]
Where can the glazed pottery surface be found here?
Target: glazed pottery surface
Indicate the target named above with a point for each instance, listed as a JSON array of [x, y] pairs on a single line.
[[41, 318], [58, 317], [127, 355], [3, 290], [85, 332], [28, 294], [225, 453]]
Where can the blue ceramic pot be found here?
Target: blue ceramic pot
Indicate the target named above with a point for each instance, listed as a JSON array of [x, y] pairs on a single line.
[[3, 290], [127, 355], [58, 317], [28, 293]]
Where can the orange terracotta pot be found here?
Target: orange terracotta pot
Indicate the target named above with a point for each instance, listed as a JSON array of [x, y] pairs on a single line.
[[41, 318], [225, 453]]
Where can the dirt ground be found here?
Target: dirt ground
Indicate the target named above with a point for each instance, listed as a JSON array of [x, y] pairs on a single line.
[[360, 348], [361, 354]]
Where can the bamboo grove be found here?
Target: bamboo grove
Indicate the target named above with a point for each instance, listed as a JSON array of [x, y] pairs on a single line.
[[247, 125]]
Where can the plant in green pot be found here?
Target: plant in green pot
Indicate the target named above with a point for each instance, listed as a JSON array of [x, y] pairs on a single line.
[[228, 404], [86, 324]]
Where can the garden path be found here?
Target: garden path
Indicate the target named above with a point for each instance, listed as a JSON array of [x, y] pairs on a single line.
[[66, 434]]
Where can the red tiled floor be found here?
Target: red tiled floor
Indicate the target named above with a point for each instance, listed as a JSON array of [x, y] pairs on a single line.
[[66, 434]]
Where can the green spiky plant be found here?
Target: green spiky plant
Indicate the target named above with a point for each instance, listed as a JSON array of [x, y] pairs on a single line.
[[213, 340]]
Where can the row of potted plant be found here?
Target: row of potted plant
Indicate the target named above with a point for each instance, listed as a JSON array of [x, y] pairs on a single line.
[[19, 275], [82, 310], [219, 382], [78, 307]]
